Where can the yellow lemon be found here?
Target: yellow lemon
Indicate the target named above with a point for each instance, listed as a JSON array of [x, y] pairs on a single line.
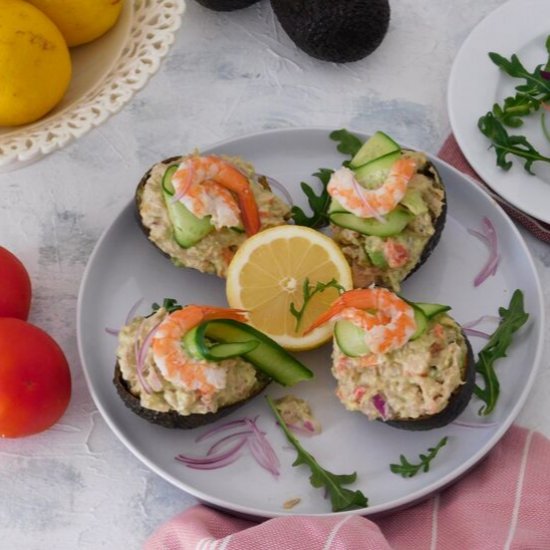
[[81, 21], [35, 65], [286, 277]]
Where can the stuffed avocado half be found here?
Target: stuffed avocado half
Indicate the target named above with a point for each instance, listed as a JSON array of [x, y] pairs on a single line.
[[199, 209], [407, 364], [387, 211], [185, 367]]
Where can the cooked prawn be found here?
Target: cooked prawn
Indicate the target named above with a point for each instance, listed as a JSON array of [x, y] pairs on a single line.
[[208, 186], [175, 365], [371, 203], [388, 321]]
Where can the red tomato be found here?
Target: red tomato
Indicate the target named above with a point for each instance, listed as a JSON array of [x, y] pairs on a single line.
[[15, 287], [35, 381]]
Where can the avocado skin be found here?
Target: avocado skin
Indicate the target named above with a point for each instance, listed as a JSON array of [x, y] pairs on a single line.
[[226, 5], [333, 30], [457, 403], [173, 419]]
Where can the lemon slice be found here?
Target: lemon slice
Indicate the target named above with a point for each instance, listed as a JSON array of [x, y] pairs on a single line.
[[267, 277]]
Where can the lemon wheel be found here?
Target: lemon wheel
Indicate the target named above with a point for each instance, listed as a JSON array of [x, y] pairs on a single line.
[[273, 273]]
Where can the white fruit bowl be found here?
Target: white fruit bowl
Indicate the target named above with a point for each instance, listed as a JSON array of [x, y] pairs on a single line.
[[106, 74]]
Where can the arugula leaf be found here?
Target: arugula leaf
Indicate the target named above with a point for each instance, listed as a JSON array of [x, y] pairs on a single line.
[[512, 319], [318, 203], [406, 469], [341, 498], [308, 292], [505, 144], [514, 108], [348, 143], [169, 304], [530, 95]]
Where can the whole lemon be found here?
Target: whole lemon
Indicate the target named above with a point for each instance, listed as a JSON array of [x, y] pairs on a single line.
[[35, 65], [81, 21]]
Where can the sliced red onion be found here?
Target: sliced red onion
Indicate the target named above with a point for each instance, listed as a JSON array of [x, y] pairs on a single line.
[[129, 317], [380, 404], [259, 446], [186, 185], [273, 183], [224, 440], [221, 427], [215, 461], [358, 190], [141, 353], [488, 236], [132, 311], [265, 460], [471, 324], [474, 332], [465, 424], [545, 75]]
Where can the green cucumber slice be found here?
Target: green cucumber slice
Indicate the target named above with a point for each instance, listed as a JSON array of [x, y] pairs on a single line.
[[195, 344], [378, 145], [374, 173], [394, 223], [188, 229], [268, 356], [421, 322], [431, 310], [350, 339]]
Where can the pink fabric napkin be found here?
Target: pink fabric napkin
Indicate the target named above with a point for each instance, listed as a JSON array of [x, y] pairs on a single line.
[[451, 153], [503, 503]]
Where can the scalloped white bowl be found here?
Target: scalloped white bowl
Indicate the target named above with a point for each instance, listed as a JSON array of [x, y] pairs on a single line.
[[106, 74]]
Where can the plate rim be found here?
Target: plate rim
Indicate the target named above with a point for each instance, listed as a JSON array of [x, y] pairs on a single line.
[[488, 171], [375, 510]]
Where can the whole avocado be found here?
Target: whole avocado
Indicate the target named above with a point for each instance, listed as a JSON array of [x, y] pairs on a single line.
[[334, 30], [226, 5]]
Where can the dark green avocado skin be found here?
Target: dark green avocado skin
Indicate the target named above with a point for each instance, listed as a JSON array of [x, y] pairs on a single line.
[[334, 30], [457, 403], [226, 5], [173, 419]]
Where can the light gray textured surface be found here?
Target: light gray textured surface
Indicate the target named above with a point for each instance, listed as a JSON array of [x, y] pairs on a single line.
[[76, 485]]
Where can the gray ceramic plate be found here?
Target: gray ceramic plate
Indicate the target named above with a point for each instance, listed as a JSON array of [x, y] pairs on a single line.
[[125, 267]]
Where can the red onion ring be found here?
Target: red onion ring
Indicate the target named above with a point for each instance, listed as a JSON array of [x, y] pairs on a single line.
[[186, 185], [259, 446], [488, 236], [141, 352], [280, 187], [474, 332], [465, 424]]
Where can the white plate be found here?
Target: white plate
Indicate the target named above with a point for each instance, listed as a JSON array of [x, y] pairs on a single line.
[[106, 74], [125, 267], [476, 83]]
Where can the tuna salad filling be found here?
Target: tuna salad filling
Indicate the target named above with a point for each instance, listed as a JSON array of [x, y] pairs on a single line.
[[411, 382], [213, 253], [234, 379], [386, 261]]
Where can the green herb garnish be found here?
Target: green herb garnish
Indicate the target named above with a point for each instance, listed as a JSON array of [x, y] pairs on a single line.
[[511, 320], [348, 144], [308, 291], [318, 203], [505, 144], [169, 304], [341, 498], [406, 469], [529, 97]]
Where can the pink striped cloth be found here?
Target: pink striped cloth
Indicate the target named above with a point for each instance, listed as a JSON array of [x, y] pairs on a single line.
[[503, 503]]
